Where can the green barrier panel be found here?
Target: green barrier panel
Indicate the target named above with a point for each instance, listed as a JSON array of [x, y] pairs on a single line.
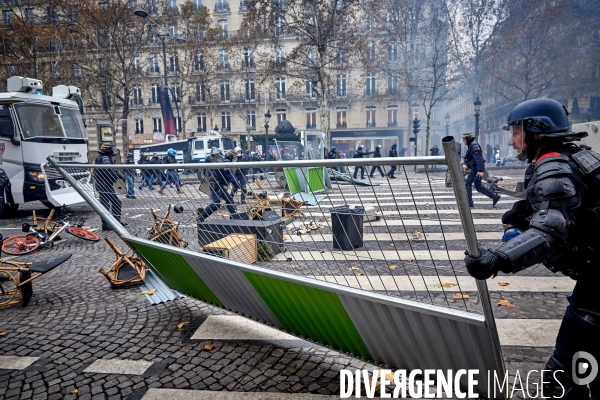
[[292, 178], [311, 313], [177, 273], [315, 179]]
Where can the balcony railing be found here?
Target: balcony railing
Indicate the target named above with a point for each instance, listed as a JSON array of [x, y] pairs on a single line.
[[153, 102], [136, 102], [370, 124], [392, 124], [225, 129], [341, 125], [154, 71], [222, 7], [311, 126]]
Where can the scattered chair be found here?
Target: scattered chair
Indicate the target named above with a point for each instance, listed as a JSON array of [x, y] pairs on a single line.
[[166, 231], [291, 207], [16, 278], [128, 270]]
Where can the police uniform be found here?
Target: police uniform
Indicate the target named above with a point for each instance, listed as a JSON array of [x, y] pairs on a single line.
[[555, 225], [104, 180], [376, 154], [360, 154], [130, 177], [220, 179], [393, 153], [475, 163]]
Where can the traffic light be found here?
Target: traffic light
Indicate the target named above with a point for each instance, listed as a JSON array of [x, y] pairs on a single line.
[[416, 124]]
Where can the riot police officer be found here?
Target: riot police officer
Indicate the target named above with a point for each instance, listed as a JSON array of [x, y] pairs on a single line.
[[130, 176], [393, 153], [104, 180], [220, 179], [240, 175], [475, 167], [376, 154], [333, 155], [554, 226], [360, 153]]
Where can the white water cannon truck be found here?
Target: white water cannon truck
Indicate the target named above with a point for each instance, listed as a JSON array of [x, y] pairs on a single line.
[[32, 127]]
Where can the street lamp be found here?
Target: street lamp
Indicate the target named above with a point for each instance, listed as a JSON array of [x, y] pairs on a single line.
[[161, 36], [447, 118], [477, 104], [267, 119]]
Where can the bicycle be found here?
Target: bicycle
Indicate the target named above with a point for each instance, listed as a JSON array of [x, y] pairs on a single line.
[[25, 244]]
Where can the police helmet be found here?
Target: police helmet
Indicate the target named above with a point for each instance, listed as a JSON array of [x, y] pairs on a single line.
[[332, 149], [378, 146], [171, 152], [469, 137], [544, 117], [237, 149], [214, 150], [394, 145], [359, 148], [230, 155], [107, 147], [178, 208]]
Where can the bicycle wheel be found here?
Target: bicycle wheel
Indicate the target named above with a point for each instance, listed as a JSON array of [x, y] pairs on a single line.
[[83, 234], [18, 245]]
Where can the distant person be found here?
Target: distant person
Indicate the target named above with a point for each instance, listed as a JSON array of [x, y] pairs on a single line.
[[475, 168], [377, 154], [147, 174], [489, 152], [171, 172], [220, 179], [434, 151], [130, 177], [360, 153], [333, 155], [393, 153], [342, 168], [402, 151], [104, 180]]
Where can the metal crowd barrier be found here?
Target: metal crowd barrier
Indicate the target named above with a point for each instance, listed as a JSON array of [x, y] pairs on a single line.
[[299, 255]]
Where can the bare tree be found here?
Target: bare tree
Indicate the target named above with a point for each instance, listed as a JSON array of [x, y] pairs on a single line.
[[323, 38], [436, 78]]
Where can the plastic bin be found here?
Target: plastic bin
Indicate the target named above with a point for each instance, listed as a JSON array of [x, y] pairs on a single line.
[[347, 227]]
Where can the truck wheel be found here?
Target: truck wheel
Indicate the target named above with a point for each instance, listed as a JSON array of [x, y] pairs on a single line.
[[7, 211]]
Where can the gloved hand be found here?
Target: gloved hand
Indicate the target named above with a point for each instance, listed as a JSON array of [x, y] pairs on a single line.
[[483, 267]]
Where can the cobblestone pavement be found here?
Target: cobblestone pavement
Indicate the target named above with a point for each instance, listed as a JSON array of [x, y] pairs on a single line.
[[75, 319]]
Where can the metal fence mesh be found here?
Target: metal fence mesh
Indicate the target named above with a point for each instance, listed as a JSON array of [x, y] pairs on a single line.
[[285, 219]]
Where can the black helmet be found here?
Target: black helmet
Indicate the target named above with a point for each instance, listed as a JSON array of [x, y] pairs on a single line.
[[107, 148], [545, 117], [333, 149], [230, 155], [178, 208]]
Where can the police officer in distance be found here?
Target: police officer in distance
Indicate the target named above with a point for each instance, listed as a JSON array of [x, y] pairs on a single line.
[[333, 155], [475, 168], [376, 154], [240, 175], [220, 179], [555, 225], [393, 153], [104, 180]]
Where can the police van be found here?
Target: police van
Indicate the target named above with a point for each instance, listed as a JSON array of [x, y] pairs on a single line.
[[32, 127], [194, 149]]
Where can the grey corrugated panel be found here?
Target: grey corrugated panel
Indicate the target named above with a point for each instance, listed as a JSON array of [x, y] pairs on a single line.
[[163, 292], [404, 339], [232, 288]]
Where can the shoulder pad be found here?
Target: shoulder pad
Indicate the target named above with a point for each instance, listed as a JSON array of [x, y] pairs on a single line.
[[552, 166], [475, 147], [587, 160]]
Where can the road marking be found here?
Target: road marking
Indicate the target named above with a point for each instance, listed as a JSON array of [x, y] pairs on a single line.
[[528, 332], [512, 332], [424, 222], [226, 327], [16, 362], [185, 394], [119, 367]]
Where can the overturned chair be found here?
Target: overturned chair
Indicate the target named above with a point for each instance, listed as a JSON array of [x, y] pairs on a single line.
[[166, 231], [128, 270], [16, 278]]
